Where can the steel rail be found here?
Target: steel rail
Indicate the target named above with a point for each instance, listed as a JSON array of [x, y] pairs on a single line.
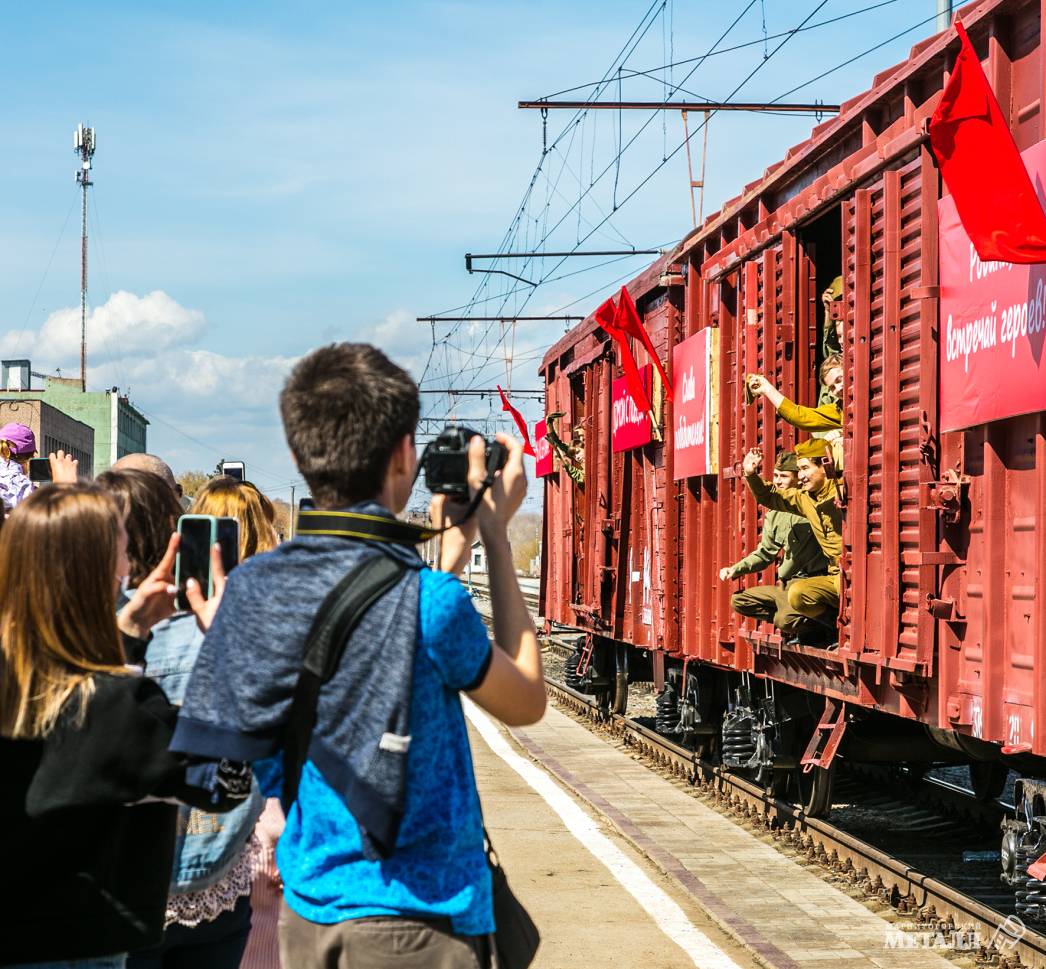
[[910, 891]]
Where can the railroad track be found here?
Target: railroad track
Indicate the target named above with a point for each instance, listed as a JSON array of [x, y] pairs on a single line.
[[481, 590], [935, 812], [928, 901]]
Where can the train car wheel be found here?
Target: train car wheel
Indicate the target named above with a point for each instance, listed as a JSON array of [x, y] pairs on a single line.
[[619, 692], [812, 791], [815, 790]]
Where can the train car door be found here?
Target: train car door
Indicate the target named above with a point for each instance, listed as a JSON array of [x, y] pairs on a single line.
[[890, 532]]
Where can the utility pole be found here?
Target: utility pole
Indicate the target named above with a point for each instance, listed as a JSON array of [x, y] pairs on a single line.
[[944, 15], [83, 145], [293, 513]]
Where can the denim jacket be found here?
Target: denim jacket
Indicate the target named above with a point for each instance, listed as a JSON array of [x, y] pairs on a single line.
[[207, 845]]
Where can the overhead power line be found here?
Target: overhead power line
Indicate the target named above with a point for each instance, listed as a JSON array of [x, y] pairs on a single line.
[[770, 107], [497, 319], [596, 179], [759, 42], [484, 392]]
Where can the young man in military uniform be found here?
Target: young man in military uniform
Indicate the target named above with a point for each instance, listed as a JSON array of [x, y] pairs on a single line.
[[802, 559], [816, 597]]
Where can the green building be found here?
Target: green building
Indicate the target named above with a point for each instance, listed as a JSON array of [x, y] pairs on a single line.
[[119, 427]]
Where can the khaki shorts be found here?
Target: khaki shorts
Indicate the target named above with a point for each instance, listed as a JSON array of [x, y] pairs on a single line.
[[378, 943]]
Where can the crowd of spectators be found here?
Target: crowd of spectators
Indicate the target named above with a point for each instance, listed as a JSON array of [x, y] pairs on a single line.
[[142, 743]]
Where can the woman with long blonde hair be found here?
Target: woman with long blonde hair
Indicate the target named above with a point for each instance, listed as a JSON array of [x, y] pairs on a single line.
[[83, 738], [209, 912], [225, 496], [255, 513]]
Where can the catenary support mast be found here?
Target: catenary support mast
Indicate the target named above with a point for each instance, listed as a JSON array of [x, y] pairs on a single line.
[[83, 145]]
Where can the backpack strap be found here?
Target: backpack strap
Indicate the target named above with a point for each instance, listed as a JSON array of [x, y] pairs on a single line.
[[338, 615]]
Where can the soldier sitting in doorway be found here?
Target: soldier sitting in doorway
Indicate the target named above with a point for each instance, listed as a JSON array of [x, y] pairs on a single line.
[[802, 559], [816, 597]]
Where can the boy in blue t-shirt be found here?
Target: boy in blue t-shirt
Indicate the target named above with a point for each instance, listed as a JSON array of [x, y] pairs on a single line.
[[349, 415]]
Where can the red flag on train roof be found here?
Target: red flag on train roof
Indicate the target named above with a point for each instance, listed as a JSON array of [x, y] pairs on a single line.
[[520, 423], [628, 319], [982, 167], [609, 318]]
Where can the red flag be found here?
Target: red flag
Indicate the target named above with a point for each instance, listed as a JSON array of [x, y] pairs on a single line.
[[520, 423], [608, 317], [981, 166], [628, 319]]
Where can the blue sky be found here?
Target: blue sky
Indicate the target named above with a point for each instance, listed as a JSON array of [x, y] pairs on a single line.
[[270, 177]]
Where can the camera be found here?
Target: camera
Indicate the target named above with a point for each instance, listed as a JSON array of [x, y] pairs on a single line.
[[445, 461]]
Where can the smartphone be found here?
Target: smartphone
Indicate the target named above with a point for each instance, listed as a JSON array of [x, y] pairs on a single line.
[[40, 469], [234, 469], [198, 534]]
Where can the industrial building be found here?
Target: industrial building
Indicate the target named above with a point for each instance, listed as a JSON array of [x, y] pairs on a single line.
[[118, 427], [54, 430]]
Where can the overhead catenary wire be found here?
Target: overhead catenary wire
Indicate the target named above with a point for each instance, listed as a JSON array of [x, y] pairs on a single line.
[[621, 149], [627, 48], [685, 141], [651, 71], [857, 57], [481, 352]]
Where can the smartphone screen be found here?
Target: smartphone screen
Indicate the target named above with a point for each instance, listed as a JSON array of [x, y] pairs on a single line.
[[233, 469], [194, 554], [229, 540], [39, 469]]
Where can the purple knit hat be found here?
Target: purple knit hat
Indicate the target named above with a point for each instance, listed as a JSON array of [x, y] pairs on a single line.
[[23, 442]]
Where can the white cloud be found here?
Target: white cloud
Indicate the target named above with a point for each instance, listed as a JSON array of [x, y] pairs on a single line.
[[406, 341], [126, 325], [203, 405]]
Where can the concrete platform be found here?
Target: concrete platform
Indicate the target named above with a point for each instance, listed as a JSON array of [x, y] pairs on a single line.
[[750, 902]]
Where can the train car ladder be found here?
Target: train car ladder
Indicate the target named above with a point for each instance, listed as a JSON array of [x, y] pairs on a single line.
[[820, 752]]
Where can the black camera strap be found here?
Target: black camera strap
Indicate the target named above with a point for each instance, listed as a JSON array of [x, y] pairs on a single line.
[[351, 524]]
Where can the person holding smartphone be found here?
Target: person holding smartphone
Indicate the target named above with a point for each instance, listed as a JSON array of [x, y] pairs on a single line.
[[88, 800], [208, 914], [17, 449]]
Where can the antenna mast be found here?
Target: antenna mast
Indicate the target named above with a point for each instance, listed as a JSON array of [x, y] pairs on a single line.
[[83, 145]]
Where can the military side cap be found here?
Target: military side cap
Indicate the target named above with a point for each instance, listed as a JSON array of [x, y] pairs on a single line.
[[786, 461], [816, 447], [836, 289]]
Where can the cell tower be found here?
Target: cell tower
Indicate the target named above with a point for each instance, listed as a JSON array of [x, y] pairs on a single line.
[[83, 144]]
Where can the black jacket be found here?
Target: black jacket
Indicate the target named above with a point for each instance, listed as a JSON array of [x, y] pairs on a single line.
[[84, 866]]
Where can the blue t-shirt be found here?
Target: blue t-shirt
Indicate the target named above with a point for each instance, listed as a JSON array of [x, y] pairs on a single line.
[[439, 868]]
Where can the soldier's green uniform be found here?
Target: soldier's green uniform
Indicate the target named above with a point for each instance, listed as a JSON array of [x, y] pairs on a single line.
[[802, 559], [825, 417], [783, 530], [816, 597], [566, 457]]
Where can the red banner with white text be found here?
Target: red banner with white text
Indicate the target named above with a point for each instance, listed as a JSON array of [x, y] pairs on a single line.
[[694, 372], [542, 451], [992, 324], [630, 427]]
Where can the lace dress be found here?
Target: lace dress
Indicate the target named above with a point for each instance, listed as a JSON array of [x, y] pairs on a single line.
[[192, 908]]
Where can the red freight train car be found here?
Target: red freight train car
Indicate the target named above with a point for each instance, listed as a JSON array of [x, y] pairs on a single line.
[[942, 645]]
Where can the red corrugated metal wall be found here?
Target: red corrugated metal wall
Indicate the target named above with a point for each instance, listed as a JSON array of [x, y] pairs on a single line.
[[890, 401]]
